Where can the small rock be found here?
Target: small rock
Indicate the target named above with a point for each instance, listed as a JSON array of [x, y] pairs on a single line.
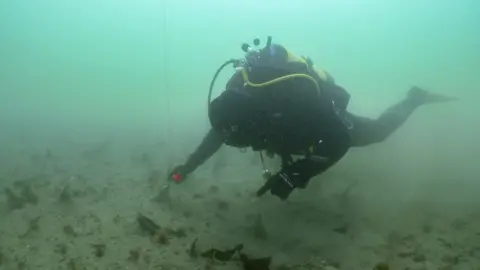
[[381, 266], [2, 259], [430, 266], [213, 189], [418, 258], [427, 229], [69, 231], [341, 230], [28, 195], [14, 202], [259, 230], [99, 250], [134, 255], [449, 259], [222, 205]]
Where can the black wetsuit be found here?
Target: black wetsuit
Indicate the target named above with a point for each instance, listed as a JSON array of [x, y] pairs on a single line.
[[329, 131], [361, 131]]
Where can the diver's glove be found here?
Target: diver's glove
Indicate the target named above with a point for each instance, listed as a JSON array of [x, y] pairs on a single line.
[[284, 182]]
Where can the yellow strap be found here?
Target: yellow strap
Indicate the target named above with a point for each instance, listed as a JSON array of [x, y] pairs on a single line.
[[322, 74], [293, 58]]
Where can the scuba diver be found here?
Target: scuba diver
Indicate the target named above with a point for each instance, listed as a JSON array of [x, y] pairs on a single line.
[[283, 105]]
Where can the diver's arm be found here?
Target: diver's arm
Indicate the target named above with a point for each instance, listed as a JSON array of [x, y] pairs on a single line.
[[308, 168], [213, 140], [210, 144], [297, 174], [294, 175]]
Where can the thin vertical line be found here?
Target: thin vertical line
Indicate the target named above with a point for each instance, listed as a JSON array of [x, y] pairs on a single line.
[[166, 84]]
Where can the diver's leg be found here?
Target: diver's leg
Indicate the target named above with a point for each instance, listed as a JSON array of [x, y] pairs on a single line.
[[366, 131]]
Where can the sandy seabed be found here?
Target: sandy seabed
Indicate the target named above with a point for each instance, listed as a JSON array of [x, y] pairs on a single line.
[[79, 210]]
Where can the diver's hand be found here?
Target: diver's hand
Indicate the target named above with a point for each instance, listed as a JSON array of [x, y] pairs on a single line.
[[283, 183], [178, 174]]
